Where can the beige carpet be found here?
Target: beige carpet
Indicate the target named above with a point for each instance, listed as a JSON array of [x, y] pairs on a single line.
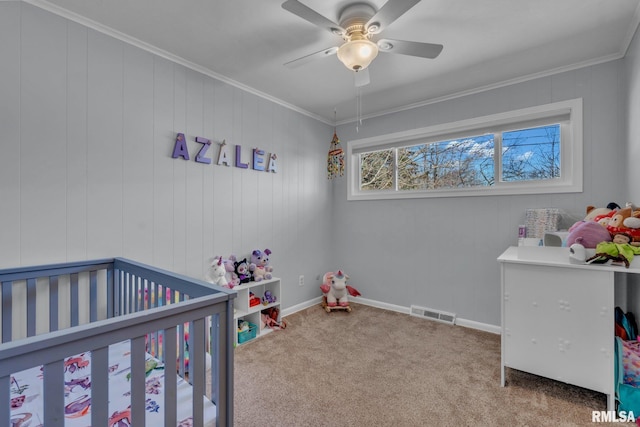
[[373, 367]]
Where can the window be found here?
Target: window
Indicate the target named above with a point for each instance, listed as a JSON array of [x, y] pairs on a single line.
[[534, 150]]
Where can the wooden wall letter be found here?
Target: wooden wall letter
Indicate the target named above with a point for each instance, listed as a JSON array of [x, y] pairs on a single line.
[[258, 159], [239, 163], [272, 163], [200, 157], [180, 147], [224, 158]]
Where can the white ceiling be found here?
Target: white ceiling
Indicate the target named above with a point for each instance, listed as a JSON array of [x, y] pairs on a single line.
[[486, 43]]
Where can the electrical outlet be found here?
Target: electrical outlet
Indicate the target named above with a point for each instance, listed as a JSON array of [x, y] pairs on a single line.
[[301, 280]]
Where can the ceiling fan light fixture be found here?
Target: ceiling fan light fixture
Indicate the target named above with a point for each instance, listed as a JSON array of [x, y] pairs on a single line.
[[357, 54]]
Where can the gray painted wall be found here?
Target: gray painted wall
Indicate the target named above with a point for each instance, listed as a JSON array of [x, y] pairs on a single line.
[[631, 298], [88, 124], [441, 252], [87, 130], [632, 110]]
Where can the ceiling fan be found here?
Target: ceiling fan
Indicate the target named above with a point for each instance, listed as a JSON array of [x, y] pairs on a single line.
[[359, 25]]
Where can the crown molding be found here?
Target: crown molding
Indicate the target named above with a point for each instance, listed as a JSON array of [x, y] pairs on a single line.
[[96, 26]]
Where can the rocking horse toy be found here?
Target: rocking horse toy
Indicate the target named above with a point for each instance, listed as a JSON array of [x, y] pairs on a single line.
[[336, 292]]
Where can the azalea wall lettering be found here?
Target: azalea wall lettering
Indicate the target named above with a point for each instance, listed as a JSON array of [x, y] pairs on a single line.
[[260, 160]]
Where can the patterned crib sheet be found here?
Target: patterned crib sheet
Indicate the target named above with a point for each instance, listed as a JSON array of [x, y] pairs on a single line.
[[27, 396]]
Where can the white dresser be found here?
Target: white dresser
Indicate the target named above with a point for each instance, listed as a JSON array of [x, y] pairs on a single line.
[[558, 317]]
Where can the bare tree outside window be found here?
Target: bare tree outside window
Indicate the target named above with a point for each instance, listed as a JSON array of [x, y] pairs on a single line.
[[533, 150], [376, 170], [531, 154], [527, 154], [448, 164]]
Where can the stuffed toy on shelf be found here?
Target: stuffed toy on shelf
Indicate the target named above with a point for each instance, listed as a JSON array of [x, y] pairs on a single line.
[[241, 270], [270, 318], [217, 273], [259, 267]]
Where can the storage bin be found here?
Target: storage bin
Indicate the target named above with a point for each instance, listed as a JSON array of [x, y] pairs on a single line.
[[249, 334], [540, 221]]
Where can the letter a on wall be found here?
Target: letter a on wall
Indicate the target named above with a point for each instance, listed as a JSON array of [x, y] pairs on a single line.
[[180, 147], [272, 163], [224, 158]]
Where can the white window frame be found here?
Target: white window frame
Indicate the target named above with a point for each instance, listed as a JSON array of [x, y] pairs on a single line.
[[569, 113]]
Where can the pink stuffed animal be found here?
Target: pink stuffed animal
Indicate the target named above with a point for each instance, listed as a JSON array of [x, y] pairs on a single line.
[[587, 234], [335, 289]]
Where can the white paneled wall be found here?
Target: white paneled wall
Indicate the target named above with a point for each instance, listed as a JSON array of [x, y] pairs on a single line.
[[441, 253], [88, 124], [632, 125], [632, 153], [10, 134]]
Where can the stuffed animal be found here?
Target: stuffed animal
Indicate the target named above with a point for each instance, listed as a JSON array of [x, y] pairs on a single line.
[[241, 270], [587, 234], [268, 298], [619, 249], [217, 273], [593, 212], [232, 277], [631, 222], [626, 221], [335, 289], [605, 219], [619, 217], [253, 299], [270, 318], [259, 267], [578, 253]]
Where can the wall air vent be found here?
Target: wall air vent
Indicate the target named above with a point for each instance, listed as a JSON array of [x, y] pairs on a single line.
[[429, 313]]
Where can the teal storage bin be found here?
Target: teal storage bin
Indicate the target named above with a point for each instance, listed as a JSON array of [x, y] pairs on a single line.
[[247, 335]]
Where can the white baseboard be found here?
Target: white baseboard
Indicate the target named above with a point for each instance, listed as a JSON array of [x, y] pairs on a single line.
[[298, 307], [494, 329], [383, 305]]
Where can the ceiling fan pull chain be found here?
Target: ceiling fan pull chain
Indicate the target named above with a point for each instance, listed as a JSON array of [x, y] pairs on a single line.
[[358, 108]]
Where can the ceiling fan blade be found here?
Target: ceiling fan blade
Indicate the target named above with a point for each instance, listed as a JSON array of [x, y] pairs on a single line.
[[362, 77], [311, 57], [389, 12], [423, 50], [308, 14]]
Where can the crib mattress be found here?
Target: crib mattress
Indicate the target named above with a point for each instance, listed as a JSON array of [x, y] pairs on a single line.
[[27, 396]]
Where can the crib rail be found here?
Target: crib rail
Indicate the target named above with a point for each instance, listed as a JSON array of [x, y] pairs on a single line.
[[128, 301], [21, 285]]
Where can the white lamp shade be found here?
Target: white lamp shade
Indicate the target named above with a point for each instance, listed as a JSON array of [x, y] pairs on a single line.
[[357, 54]]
